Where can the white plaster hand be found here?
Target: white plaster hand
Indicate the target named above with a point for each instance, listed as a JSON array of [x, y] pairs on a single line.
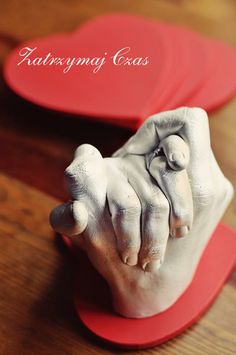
[[135, 199]]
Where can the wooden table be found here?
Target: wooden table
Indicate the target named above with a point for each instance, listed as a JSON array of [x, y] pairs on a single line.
[[36, 310]]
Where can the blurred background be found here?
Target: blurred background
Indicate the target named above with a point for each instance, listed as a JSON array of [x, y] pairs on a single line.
[[35, 147]]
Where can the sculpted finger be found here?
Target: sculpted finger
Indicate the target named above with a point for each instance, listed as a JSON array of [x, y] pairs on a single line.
[[86, 182], [176, 152], [176, 187], [189, 123], [154, 221], [125, 212], [69, 219], [85, 176], [155, 231]]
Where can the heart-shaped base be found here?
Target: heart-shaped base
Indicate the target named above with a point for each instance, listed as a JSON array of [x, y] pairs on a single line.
[[93, 302]]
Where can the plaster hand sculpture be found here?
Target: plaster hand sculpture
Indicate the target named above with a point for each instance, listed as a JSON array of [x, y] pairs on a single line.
[[130, 212]]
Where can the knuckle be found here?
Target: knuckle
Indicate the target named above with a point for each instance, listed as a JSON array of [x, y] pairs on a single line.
[[86, 149], [157, 205], [77, 177], [128, 211], [127, 207], [78, 170], [71, 180], [85, 168], [70, 172]]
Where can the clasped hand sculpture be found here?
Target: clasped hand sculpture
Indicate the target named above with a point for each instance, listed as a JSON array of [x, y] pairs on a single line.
[[130, 212]]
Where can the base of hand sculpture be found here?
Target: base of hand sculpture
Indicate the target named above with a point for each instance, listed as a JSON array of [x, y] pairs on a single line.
[[130, 211]]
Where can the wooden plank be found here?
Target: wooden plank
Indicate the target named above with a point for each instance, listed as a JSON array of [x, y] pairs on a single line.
[[36, 292]]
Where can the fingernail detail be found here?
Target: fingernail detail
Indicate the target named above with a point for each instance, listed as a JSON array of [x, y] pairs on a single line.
[[178, 159], [130, 260], [152, 266]]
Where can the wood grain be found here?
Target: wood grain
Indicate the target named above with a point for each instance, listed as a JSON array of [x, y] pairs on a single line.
[[36, 290], [36, 306], [36, 312]]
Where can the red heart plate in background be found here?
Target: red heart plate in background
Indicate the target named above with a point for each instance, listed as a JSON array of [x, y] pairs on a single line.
[[170, 67]]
